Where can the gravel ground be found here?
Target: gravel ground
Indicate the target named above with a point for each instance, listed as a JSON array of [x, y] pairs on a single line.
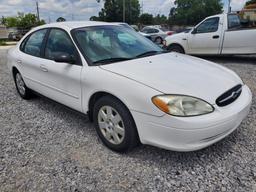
[[46, 147]]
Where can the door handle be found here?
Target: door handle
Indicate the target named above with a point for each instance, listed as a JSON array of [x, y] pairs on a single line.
[[216, 37], [43, 68]]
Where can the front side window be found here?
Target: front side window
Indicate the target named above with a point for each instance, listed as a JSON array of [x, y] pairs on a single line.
[[33, 44], [112, 42], [59, 42], [209, 26]]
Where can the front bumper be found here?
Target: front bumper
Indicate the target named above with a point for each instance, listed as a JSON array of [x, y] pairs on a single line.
[[193, 133]]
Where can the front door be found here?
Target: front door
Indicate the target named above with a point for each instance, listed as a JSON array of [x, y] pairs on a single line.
[[206, 38], [61, 81]]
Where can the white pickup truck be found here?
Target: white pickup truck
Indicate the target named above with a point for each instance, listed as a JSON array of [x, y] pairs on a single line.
[[223, 34]]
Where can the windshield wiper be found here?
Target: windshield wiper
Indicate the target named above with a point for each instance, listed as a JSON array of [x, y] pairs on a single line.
[[149, 53], [111, 60]]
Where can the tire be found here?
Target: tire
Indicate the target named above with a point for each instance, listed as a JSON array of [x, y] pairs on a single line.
[[176, 48], [21, 87], [118, 133], [159, 40]]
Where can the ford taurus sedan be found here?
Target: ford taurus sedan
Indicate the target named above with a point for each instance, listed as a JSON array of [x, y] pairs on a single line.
[[130, 88]]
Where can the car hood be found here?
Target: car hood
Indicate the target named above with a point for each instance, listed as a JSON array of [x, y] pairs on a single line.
[[174, 73]]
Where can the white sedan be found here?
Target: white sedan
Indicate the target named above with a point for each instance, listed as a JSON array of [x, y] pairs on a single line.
[[132, 90]]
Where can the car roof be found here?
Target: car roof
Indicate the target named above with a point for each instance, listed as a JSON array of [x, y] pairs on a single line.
[[69, 25]]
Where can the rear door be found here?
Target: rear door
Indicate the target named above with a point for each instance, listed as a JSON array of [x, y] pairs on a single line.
[[238, 39], [30, 59], [207, 37]]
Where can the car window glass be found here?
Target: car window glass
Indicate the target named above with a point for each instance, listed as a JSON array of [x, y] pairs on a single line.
[[151, 31], [126, 38], [145, 30], [99, 43], [33, 45], [209, 25], [233, 21], [59, 42]]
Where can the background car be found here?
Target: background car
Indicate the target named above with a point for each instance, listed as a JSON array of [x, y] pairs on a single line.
[[157, 33], [15, 36]]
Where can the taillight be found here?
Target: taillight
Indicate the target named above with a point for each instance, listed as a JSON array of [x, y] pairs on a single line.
[[170, 33]]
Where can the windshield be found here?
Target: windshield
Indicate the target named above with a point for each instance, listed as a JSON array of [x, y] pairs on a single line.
[[109, 44]]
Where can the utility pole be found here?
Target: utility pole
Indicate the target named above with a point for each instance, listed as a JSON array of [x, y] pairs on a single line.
[[37, 9], [142, 6], [124, 11], [229, 6]]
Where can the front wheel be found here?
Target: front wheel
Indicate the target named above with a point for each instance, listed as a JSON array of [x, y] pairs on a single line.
[[176, 48], [114, 124]]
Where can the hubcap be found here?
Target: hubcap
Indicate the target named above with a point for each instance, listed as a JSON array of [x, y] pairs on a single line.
[[20, 84], [111, 125]]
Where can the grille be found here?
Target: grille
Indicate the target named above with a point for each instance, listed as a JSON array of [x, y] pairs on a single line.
[[230, 96]]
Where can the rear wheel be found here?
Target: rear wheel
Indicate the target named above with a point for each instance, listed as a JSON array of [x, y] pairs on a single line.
[[21, 87], [176, 48], [114, 124]]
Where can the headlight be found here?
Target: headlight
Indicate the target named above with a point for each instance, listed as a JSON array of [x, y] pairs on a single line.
[[182, 106]]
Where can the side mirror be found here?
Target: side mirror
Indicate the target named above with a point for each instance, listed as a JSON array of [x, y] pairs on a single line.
[[194, 31], [62, 57]]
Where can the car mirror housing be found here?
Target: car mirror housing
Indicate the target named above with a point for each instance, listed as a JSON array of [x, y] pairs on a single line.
[[62, 57]]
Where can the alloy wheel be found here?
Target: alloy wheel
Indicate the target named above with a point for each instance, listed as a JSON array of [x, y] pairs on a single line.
[[111, 125]]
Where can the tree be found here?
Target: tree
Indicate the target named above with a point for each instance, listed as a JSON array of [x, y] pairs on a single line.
[[23, 21], [60, 19], [146, 19], [11, 21], [250, 2], [94, 18], [187, 12], [113, 11], [160, 20]]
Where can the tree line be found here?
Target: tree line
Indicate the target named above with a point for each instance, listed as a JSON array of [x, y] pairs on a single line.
[[26, 21], [185, 12]]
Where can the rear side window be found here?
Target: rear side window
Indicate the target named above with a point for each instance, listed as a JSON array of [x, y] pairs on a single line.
[[59, 42], [209, 26], [33, 45], [234, 22]]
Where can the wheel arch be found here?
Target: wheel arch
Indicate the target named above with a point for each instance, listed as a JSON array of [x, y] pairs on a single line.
[[99, 94], [14, 70], [96, 96], [177, 44]]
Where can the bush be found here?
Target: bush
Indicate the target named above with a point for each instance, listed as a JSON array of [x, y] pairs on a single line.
[[2, 42]]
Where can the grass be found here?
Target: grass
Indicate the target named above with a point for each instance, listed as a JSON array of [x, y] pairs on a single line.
[[2, 42]]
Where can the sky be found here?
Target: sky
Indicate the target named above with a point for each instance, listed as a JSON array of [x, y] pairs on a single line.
[[50, 10]]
